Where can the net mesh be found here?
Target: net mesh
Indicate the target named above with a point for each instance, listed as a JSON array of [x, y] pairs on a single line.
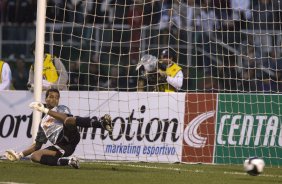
[[230, 55]]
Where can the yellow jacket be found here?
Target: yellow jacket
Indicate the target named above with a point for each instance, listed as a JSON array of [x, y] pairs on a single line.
[[49, 70], [171, 71]]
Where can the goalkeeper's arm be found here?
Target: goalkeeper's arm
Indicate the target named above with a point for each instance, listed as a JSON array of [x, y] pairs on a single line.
[[14, 156]]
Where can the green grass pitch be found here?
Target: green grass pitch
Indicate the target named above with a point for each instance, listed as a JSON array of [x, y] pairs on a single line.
[[132, 173]]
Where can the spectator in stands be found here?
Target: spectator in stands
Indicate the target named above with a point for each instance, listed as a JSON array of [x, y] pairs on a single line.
[[170, 72], [167, 74], [20, 76], [5, 76], [54, 73]]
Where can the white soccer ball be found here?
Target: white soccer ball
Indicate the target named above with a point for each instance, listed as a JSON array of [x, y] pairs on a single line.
[[254, 166]]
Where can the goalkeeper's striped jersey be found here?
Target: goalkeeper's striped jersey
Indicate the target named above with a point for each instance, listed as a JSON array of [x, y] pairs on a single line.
[[50, 128]]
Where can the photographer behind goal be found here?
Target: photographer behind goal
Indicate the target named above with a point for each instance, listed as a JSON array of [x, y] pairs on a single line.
[[160, 75]]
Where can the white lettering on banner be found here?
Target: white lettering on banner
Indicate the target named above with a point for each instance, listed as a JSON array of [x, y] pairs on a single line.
[[191, 136], [260, 123], [247, 128], [220, 131], [233, 127], [139, 150], [272, 126], [248, 120]]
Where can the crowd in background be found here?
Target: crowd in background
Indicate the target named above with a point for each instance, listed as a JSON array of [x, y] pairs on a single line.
[[235, 42]]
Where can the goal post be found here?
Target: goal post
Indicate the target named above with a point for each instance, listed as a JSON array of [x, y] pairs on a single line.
[[38, 64], [228, 108]]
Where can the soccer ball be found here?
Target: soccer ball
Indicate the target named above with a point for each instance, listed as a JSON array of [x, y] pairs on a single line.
[[254, 166]]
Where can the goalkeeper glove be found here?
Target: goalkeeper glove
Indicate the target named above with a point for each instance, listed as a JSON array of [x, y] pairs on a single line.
[[39, 107], [106, 122], [13, 156]]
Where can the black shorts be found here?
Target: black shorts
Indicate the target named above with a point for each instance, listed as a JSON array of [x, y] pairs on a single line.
[[67, 142]]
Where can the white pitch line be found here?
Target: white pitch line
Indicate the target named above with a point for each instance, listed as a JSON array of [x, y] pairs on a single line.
[[184, 170], [264, 175]]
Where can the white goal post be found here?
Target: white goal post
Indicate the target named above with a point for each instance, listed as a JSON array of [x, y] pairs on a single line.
[[38, 64]]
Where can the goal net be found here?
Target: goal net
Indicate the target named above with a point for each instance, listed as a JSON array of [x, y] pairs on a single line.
[[229, 51]]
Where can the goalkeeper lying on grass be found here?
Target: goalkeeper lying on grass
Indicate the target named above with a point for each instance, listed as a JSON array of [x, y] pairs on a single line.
[[60, 128]]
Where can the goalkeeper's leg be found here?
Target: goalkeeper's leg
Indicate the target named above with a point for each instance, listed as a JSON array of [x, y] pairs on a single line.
[[105, 122], [53, 156], [59, 161]]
